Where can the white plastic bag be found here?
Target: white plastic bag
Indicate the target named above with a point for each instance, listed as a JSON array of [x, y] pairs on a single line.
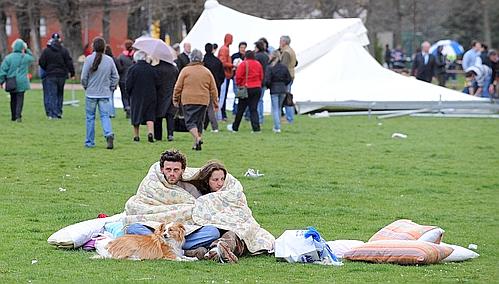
[[304, 246]]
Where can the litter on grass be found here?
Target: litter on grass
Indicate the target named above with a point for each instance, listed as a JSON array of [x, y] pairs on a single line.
[[473, 246], [34, 261], [399, 135], [253, 173], [61, 189]]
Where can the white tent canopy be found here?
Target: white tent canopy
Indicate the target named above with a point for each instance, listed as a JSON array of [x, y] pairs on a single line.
[[333, 67]]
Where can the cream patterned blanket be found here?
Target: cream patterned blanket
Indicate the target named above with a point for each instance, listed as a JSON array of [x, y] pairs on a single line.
[[227, 209]]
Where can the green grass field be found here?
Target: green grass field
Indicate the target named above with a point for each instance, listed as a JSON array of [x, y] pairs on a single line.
[[345, 176]]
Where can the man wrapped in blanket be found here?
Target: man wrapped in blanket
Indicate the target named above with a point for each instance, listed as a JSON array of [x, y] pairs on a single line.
[[220, 225]]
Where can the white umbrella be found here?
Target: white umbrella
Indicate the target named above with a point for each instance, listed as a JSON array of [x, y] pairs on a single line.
[[156, 48]]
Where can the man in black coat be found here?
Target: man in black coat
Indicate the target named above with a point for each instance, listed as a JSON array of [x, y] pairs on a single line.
[[424, 64], [217, 70], [183, 58], [56, 64]]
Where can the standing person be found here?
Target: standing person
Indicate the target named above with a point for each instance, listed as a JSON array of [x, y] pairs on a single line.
[[236, 58], [440, 63], [15, 65], [424, 64], [388, 57], [217, 70], [288, 58], [109, 52], [167, 76], [123, 63], [99, 78], [224, 56], [248, 74], [57, 63], [183, 58], [194, 87], [261, 56], [277, 78], [472, 56], [141, 85], [493, 63]]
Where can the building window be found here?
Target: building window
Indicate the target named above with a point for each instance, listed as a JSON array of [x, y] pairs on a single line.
[[8, 26], [43, 26]]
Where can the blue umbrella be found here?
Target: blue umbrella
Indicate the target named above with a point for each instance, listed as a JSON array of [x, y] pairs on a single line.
[[451, 48]]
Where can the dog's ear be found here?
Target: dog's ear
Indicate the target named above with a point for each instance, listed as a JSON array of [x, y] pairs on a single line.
[[161, 227]]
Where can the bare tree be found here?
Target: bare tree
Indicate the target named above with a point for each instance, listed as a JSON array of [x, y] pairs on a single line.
[[106, 19], [3, 32], [487, 34]]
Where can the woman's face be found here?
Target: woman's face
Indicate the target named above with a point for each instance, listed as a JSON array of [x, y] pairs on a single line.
[[216, 181]]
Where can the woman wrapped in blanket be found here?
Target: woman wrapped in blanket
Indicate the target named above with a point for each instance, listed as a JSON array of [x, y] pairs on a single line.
[[229, 246]]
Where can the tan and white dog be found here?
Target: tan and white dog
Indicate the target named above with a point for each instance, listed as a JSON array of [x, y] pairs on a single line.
[[165, 243]]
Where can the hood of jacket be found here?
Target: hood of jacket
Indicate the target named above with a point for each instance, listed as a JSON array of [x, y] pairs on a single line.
[[228, 39], [55, 45], [18, 45]]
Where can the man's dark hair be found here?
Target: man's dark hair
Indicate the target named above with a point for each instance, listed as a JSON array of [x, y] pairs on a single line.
[[469, 74], [208, 48], [474, 42], [243, 43], [260, 45], [250, 54], [172, 156]]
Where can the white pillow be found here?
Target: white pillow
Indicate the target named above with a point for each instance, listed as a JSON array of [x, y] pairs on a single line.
[[459, 254], [76, 235], [432, 236], [339, 247]]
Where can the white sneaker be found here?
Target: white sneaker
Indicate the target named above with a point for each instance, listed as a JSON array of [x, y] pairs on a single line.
[[214, 130], [229, 127], [276, 130]]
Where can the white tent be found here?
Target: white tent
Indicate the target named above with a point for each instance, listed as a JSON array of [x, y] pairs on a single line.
[[334, 70]]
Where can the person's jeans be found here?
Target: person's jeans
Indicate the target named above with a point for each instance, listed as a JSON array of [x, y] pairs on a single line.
[[290, 110], [222, 98], [485, 88], [90, 106], [277, 100], [252, 102], [46, 101], [260, 106], [53, 91], [202, 237], [234, 104], [16, 105]]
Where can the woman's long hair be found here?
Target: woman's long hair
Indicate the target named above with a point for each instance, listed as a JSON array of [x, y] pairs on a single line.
[[202, 178], [99, 45]]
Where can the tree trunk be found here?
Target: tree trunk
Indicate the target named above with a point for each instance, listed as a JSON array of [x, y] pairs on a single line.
[[3, 35], [23, 21], [486, 23], [397, 31], [68, 12], [137, 24], [34, 20], [106, 20]]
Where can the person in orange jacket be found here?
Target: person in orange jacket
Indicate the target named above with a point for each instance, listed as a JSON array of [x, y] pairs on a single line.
[[224, 56]]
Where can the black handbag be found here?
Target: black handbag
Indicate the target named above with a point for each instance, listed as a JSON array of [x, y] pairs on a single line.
[[288, 100], [11, 83], [179, 121]]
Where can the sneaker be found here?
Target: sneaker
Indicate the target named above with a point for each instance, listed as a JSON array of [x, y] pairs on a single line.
[[170, 138], [110, 141], [150, 138], [276, 130], [136, 139], [214, 130], [229, 127]]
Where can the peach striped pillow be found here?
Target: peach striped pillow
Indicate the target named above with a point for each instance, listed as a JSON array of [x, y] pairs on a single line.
[[407, 230]]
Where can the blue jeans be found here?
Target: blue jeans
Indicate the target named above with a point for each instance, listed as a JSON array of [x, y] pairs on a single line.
[[485, 88], [104, 106], [202, 237], [260, 106], [277, 101], [53, 95], [234, 104], [112, 111], [289, 110]]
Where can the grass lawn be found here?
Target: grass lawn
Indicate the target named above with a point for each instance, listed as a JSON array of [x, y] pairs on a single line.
[[344, 175]]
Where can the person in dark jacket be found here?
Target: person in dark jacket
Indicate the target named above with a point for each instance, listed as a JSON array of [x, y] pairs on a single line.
[[57, 64], [167, 76], [183, 58], [277, 78], [217, 70], [424, 65], [141, 85], [263, 57], [109, 52], [123, 63], [440, 63]]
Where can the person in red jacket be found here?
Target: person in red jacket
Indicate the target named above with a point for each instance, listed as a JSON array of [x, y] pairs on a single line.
[[224, 56], [250, 75]]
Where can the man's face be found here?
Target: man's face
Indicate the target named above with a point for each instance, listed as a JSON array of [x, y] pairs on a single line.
[[478, 46], [425, 47], [242, 49], [282, 43], [187, 47], [173, 171]]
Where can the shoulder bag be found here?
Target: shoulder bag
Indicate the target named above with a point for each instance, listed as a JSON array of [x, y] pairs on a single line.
[[242, 91], [11, 82]]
